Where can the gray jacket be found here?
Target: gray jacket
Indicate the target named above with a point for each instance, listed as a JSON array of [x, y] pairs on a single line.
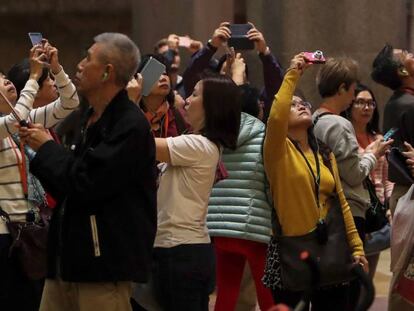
[[339, 134]]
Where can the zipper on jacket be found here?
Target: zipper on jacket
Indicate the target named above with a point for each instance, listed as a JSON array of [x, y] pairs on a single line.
[[95, 237]]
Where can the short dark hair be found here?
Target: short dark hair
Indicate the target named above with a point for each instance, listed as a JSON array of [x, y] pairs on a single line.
[[385, 68], [19, 74], [250, 100], [222, 109], [160, 44], [159, 57], [373, 124], [335, 72]]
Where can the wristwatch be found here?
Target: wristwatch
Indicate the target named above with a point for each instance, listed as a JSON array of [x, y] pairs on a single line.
[[266, 52], [210, 45]]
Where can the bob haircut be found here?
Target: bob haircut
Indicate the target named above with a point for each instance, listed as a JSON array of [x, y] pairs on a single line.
[[335, 72]]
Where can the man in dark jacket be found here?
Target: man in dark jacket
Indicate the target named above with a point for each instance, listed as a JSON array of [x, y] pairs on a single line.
[[394, 68], [102, 231]]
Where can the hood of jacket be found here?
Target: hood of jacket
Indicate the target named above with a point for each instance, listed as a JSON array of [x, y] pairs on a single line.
[[249, 127]]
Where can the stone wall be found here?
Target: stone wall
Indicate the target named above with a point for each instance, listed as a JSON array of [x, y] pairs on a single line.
[[69, 25], [341, 27]]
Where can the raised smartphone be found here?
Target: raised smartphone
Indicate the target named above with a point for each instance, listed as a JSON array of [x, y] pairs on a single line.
[[151, 73], [238, 38], [390, 133], [35, 37], [184, 42]]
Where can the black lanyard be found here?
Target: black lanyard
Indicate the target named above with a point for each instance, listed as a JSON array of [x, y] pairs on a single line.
[[317, 178]]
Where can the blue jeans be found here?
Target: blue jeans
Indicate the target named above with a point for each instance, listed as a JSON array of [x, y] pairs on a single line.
[[184, 276]]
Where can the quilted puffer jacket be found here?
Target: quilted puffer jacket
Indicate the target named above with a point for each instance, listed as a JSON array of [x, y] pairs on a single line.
[[239, 206]]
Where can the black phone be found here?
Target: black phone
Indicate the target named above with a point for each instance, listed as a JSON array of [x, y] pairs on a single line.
[[238, 38]]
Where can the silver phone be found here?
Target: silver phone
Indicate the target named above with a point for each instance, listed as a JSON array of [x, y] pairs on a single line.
[[151, 73], [35, 37]]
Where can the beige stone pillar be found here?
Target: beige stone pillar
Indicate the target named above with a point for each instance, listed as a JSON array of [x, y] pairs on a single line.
[[153, 20], [338, 27]]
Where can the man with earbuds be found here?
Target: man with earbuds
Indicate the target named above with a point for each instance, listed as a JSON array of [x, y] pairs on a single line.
[[336, 81], [394, 68], [103, 228]]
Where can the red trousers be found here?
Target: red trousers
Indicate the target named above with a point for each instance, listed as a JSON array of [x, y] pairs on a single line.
[[231, 257]]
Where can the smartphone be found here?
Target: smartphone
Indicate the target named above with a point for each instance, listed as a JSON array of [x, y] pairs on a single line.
[[315, 57], [184, 42], [151, 73], [35, 37], [390, 133], [238, 38]]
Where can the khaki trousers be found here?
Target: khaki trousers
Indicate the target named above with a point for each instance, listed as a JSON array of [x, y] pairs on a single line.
[[68, 296]]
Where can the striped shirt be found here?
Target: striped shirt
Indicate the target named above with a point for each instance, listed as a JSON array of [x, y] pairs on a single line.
[[12, 198]]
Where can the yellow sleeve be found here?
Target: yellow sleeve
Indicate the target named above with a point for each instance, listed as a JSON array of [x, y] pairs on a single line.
[[274, 145], [354, 240]]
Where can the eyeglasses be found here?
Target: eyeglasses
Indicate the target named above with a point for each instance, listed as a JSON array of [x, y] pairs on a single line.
[[297, 104], [361, 103]]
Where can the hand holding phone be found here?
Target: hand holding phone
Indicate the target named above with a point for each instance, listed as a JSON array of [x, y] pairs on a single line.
[[390, 133], [184, 42], [151, 73], [314, 57], [35, 38], [239, 39], [220, 35]]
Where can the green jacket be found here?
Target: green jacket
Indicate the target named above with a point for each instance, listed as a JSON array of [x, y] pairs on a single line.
[[239, 206]]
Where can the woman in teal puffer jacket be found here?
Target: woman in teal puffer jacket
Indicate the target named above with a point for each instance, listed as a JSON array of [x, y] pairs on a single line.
[[239, 217]]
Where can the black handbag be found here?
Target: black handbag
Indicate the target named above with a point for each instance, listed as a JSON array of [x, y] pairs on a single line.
[[334, 258], [375, 216], [29, 241]]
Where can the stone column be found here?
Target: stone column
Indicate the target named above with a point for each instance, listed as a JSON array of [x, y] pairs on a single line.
[[197, 18], [342, 27]]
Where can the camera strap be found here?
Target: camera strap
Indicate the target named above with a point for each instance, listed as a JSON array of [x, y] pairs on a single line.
[[317, 177]]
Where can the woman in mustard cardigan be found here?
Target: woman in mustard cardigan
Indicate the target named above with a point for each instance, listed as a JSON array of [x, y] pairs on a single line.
[[295, 166]]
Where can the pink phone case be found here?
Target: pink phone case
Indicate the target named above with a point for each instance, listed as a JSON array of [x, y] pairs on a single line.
[[315, 57]]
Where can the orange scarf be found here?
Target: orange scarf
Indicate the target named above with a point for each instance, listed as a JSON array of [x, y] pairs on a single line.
[[156, 118]]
